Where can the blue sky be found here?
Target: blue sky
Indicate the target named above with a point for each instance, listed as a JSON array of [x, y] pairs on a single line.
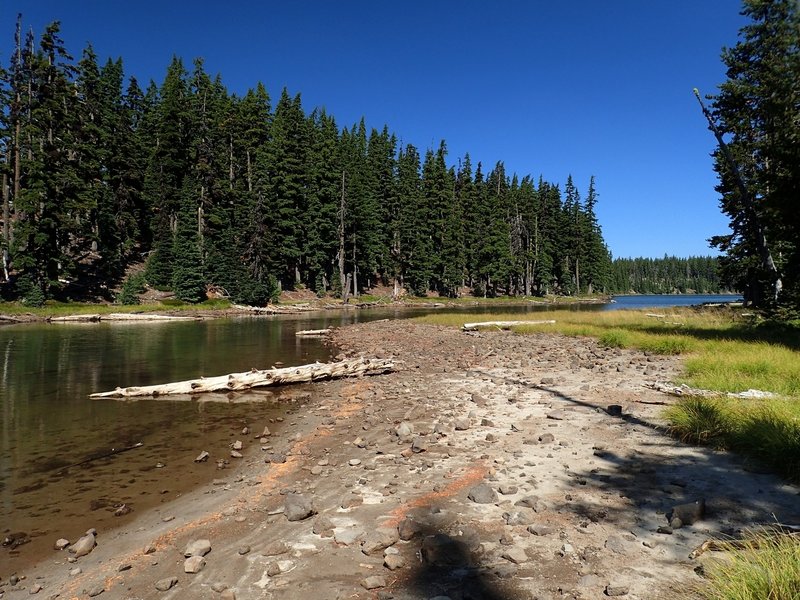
[[581, 87]]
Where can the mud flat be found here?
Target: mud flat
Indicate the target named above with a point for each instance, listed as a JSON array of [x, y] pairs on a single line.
[[489, 466]]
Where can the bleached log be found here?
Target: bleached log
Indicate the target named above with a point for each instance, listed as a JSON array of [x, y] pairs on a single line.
[[503, 324], [255, 378], [313, 332], [143, 317], [76, 319], [685, 390], [271, 309]]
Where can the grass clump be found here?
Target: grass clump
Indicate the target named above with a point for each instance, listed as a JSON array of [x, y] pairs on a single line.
[[767, 567]]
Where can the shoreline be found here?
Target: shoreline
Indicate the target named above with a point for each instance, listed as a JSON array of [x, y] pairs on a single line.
[[576, 502]]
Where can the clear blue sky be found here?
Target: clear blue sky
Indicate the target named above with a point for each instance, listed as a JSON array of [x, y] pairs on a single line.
[[581, 87]]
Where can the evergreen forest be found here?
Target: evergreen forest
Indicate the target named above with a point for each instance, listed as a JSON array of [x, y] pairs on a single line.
[[248, 196], [668, 275]]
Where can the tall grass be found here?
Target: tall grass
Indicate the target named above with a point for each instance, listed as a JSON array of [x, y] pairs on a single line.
[[766, 568]]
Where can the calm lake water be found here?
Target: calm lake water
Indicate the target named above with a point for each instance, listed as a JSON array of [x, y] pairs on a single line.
[[667, 300], [54, 480]]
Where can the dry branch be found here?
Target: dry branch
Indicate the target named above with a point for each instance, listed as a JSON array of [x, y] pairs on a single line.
[[502, 324], [313, 332], [255, 378]]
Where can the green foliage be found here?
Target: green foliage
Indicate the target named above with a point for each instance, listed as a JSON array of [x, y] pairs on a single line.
[[131, 288], [30, 292]]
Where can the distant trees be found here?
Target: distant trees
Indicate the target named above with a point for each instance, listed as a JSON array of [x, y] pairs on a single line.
[[667, 275], [757, 113], [217, 190]]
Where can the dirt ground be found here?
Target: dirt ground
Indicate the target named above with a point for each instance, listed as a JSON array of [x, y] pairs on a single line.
[[489, 466]]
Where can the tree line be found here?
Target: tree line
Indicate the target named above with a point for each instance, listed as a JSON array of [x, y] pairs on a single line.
[[211, 188], [755, 117], [667, 275]]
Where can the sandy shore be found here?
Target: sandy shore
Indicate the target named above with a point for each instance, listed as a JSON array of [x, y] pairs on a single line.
[[490, 466]]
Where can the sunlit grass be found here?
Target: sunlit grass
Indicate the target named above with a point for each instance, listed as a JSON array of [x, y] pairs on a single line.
[[766, 568]]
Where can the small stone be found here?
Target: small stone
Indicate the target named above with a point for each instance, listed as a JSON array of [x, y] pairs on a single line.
[[547, 438], [515, 555], [482, 494], [566, 549], [73, 572], [237, 445], [404, 430], [96, 590], [243, 550], [297, 507], [36, 588], [540, 530], [124, 567], [556, 415], [689, 513], [615, 410], [149, 549], [393, 562], [354, 462], [219, 587], [664, 530], [228, 594], [408, 528], [373, 582], [198, 548], [461, 423], [266, 432], [419, 445], [379, 539], [61, 543], [617, 590], [162, 585], [275, 548], [202, 457], [194, 564], [508, 490], [236, 454], [322, 527], [84, 545]]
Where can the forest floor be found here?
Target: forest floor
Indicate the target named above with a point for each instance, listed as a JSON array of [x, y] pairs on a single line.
[[490, 466]]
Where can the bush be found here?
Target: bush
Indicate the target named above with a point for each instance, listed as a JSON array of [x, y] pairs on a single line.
[[29, 292]]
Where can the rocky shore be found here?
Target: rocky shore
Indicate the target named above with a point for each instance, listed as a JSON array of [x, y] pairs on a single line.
[[490, 466]]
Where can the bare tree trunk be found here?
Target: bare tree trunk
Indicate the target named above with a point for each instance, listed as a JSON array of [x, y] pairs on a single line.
[[344, 281], [249, 173], [355, 269], [6, 222]]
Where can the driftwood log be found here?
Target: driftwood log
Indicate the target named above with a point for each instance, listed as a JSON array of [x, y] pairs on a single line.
[[502, 324], [255, 378], [313, 332], [685, 390], [96, 318]]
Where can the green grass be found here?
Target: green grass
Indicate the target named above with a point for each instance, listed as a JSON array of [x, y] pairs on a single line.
[[766, 569], [60, 309]]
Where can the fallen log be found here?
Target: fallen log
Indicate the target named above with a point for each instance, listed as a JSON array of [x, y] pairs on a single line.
[[271, 309], [76, 319], [502, 324], [685, 390], [255, 378], [313, 332], [143, 317]]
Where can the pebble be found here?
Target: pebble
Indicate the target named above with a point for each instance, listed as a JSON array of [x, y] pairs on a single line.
[[96, 590], [162, 585], [36, 588], [482, 494], [354, 462], [373, 581], [194, 564], [61, 543], [243, 550], [202, 457], [198, 548], [515, 555], [617, 590], [228, 594]]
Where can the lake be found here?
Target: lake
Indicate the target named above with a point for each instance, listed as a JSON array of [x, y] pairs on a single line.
[[640, 301], [55, 480]]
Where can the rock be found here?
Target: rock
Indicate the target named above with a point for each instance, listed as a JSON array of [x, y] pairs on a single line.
[[61, 543], [518, 517], [202, 457], [379, 539], [354, 462], [419, 444], [530, 502], [219, 587], [275, 548], [515, 555], [541, 530], [297, 507], [96, 590], [688, 513], [616, 590], [323, 527], [566, 549], [547, 381], [442, 551], [266, 432], [228, 594], [36, 588], [237, 445], [236, 454], [72, 572], [547, 438], [373, 582], [408, 528], [508, 490], [162, 585], [404, 430], [84, 545], [615, 410], [124, 567], [243, 550], [556, 415], [664, 530], [348, 536], [198, 548], [461, 423], [194, 564], [482, 494], [393, 562], [617, 545]]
